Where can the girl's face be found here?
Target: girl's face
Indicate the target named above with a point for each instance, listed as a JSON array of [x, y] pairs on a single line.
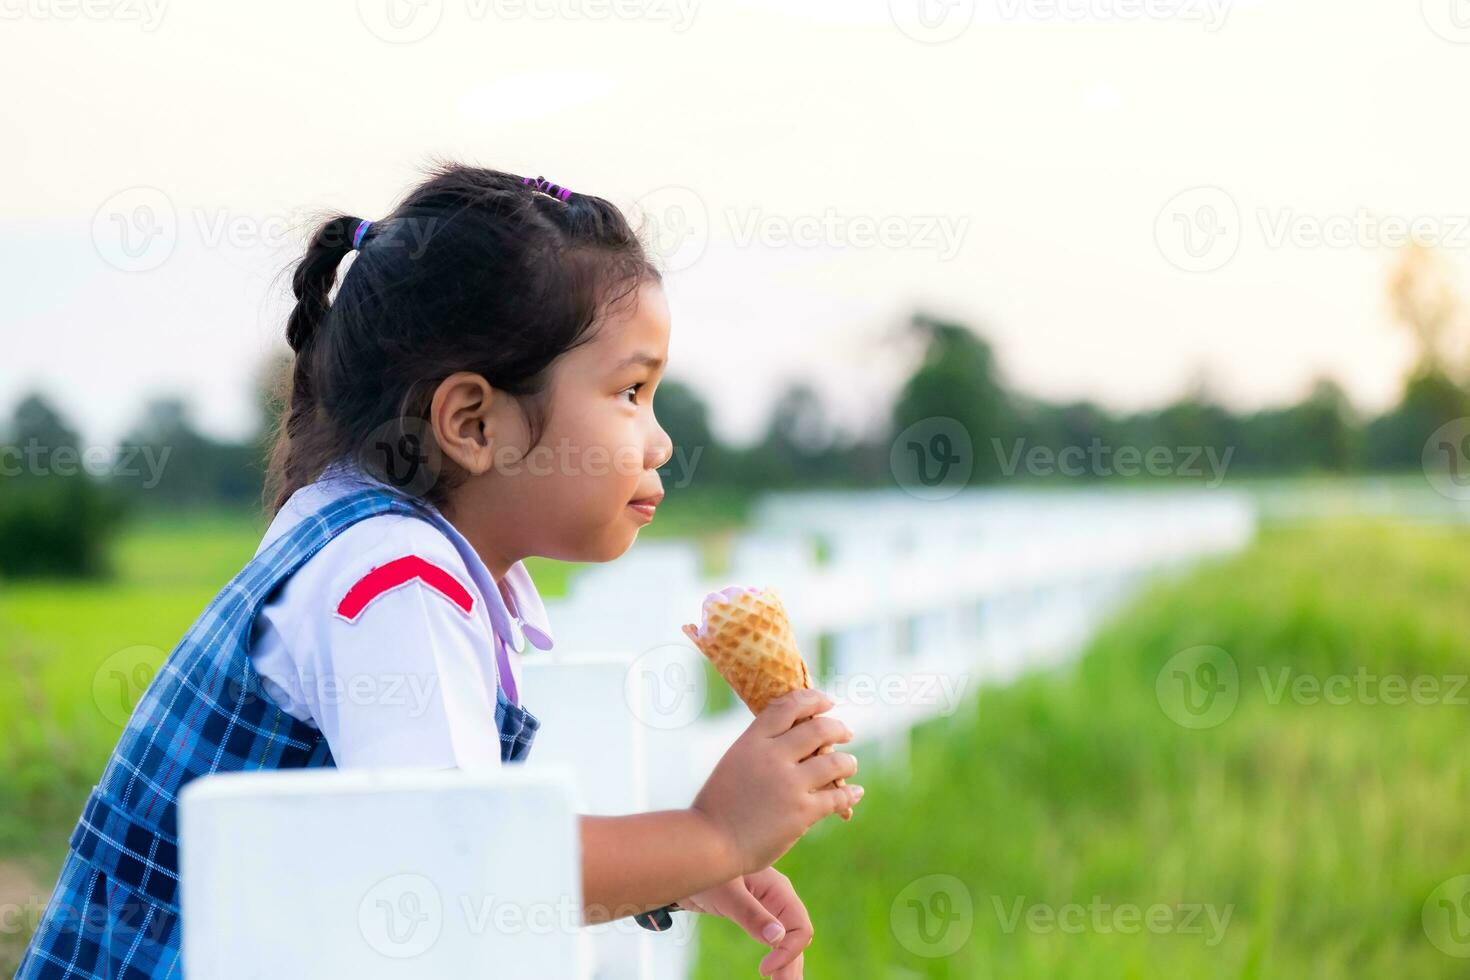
[[571, 496]]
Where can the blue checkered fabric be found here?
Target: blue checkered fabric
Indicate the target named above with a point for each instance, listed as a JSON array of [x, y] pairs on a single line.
[[114, 914]]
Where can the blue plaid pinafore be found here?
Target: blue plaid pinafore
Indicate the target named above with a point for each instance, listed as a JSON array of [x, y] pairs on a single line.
[[114, 914]]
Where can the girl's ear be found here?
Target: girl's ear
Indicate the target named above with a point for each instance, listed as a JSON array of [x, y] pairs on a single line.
[[463, 421]]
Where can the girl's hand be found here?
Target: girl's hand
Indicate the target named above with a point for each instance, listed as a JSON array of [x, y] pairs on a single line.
[[766, 906], [770, 787]]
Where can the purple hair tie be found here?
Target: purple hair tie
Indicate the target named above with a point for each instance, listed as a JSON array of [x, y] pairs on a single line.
[[547, 187], [362, 227]]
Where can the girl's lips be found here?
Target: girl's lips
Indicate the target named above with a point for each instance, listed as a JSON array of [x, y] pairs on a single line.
[[645, 506]]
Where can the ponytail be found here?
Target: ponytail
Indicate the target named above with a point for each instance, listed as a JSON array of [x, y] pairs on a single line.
[[311, 284]]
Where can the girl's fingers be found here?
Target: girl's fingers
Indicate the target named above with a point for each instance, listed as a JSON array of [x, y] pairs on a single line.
[[808, 736], [741, 907], [788, 709], [836, 799], [820, 770], [791, 971], [775, 892]]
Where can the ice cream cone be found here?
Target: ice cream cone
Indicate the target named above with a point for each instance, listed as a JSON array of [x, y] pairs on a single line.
[[748, 638]]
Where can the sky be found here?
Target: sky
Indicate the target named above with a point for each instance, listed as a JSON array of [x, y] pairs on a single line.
[[1124, 196]]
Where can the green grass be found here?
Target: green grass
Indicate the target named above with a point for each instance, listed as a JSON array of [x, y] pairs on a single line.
[[1320, 827]]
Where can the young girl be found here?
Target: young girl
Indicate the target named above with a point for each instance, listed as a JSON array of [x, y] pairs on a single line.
[[480, 390]]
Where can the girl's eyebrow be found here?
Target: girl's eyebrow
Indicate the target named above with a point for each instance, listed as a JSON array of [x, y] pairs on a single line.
[[640, 358]]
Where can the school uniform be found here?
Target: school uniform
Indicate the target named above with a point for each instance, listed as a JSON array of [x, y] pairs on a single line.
[[359, 601]]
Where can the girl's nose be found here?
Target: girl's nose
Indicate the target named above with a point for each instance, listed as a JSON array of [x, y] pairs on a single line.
[[661, 450]]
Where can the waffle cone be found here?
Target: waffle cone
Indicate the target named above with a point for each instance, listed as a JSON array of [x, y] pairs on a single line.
[[748, 638]]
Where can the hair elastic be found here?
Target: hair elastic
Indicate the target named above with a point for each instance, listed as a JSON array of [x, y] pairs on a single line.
[[547, 187], [362, 227]]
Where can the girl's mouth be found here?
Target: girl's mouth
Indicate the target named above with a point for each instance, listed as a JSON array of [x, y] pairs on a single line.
[[645, 506]]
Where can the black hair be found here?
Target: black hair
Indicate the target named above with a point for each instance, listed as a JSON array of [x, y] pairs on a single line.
[[475, 270]]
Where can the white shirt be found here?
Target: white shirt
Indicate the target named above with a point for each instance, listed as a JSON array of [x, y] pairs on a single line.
[[409, 678]]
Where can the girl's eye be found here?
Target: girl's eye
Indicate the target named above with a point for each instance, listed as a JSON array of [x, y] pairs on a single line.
[[634, 389]]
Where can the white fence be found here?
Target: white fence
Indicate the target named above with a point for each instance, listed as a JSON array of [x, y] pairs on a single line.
[[902, 607]]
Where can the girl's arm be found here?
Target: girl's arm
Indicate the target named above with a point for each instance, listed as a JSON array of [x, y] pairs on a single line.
[[766, 791], [643, 861]]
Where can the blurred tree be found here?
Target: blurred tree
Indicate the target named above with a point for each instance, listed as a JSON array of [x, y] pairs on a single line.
[[1396, 439], [34, 423], [177, 466], [1326, 427], [1424, 301], [56, 518], [957, 378], [700, 461]]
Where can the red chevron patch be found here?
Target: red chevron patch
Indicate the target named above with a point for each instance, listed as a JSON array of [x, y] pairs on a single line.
[[400, 572]]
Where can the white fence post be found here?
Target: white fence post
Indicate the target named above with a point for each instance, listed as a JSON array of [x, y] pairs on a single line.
[[380, 875]]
